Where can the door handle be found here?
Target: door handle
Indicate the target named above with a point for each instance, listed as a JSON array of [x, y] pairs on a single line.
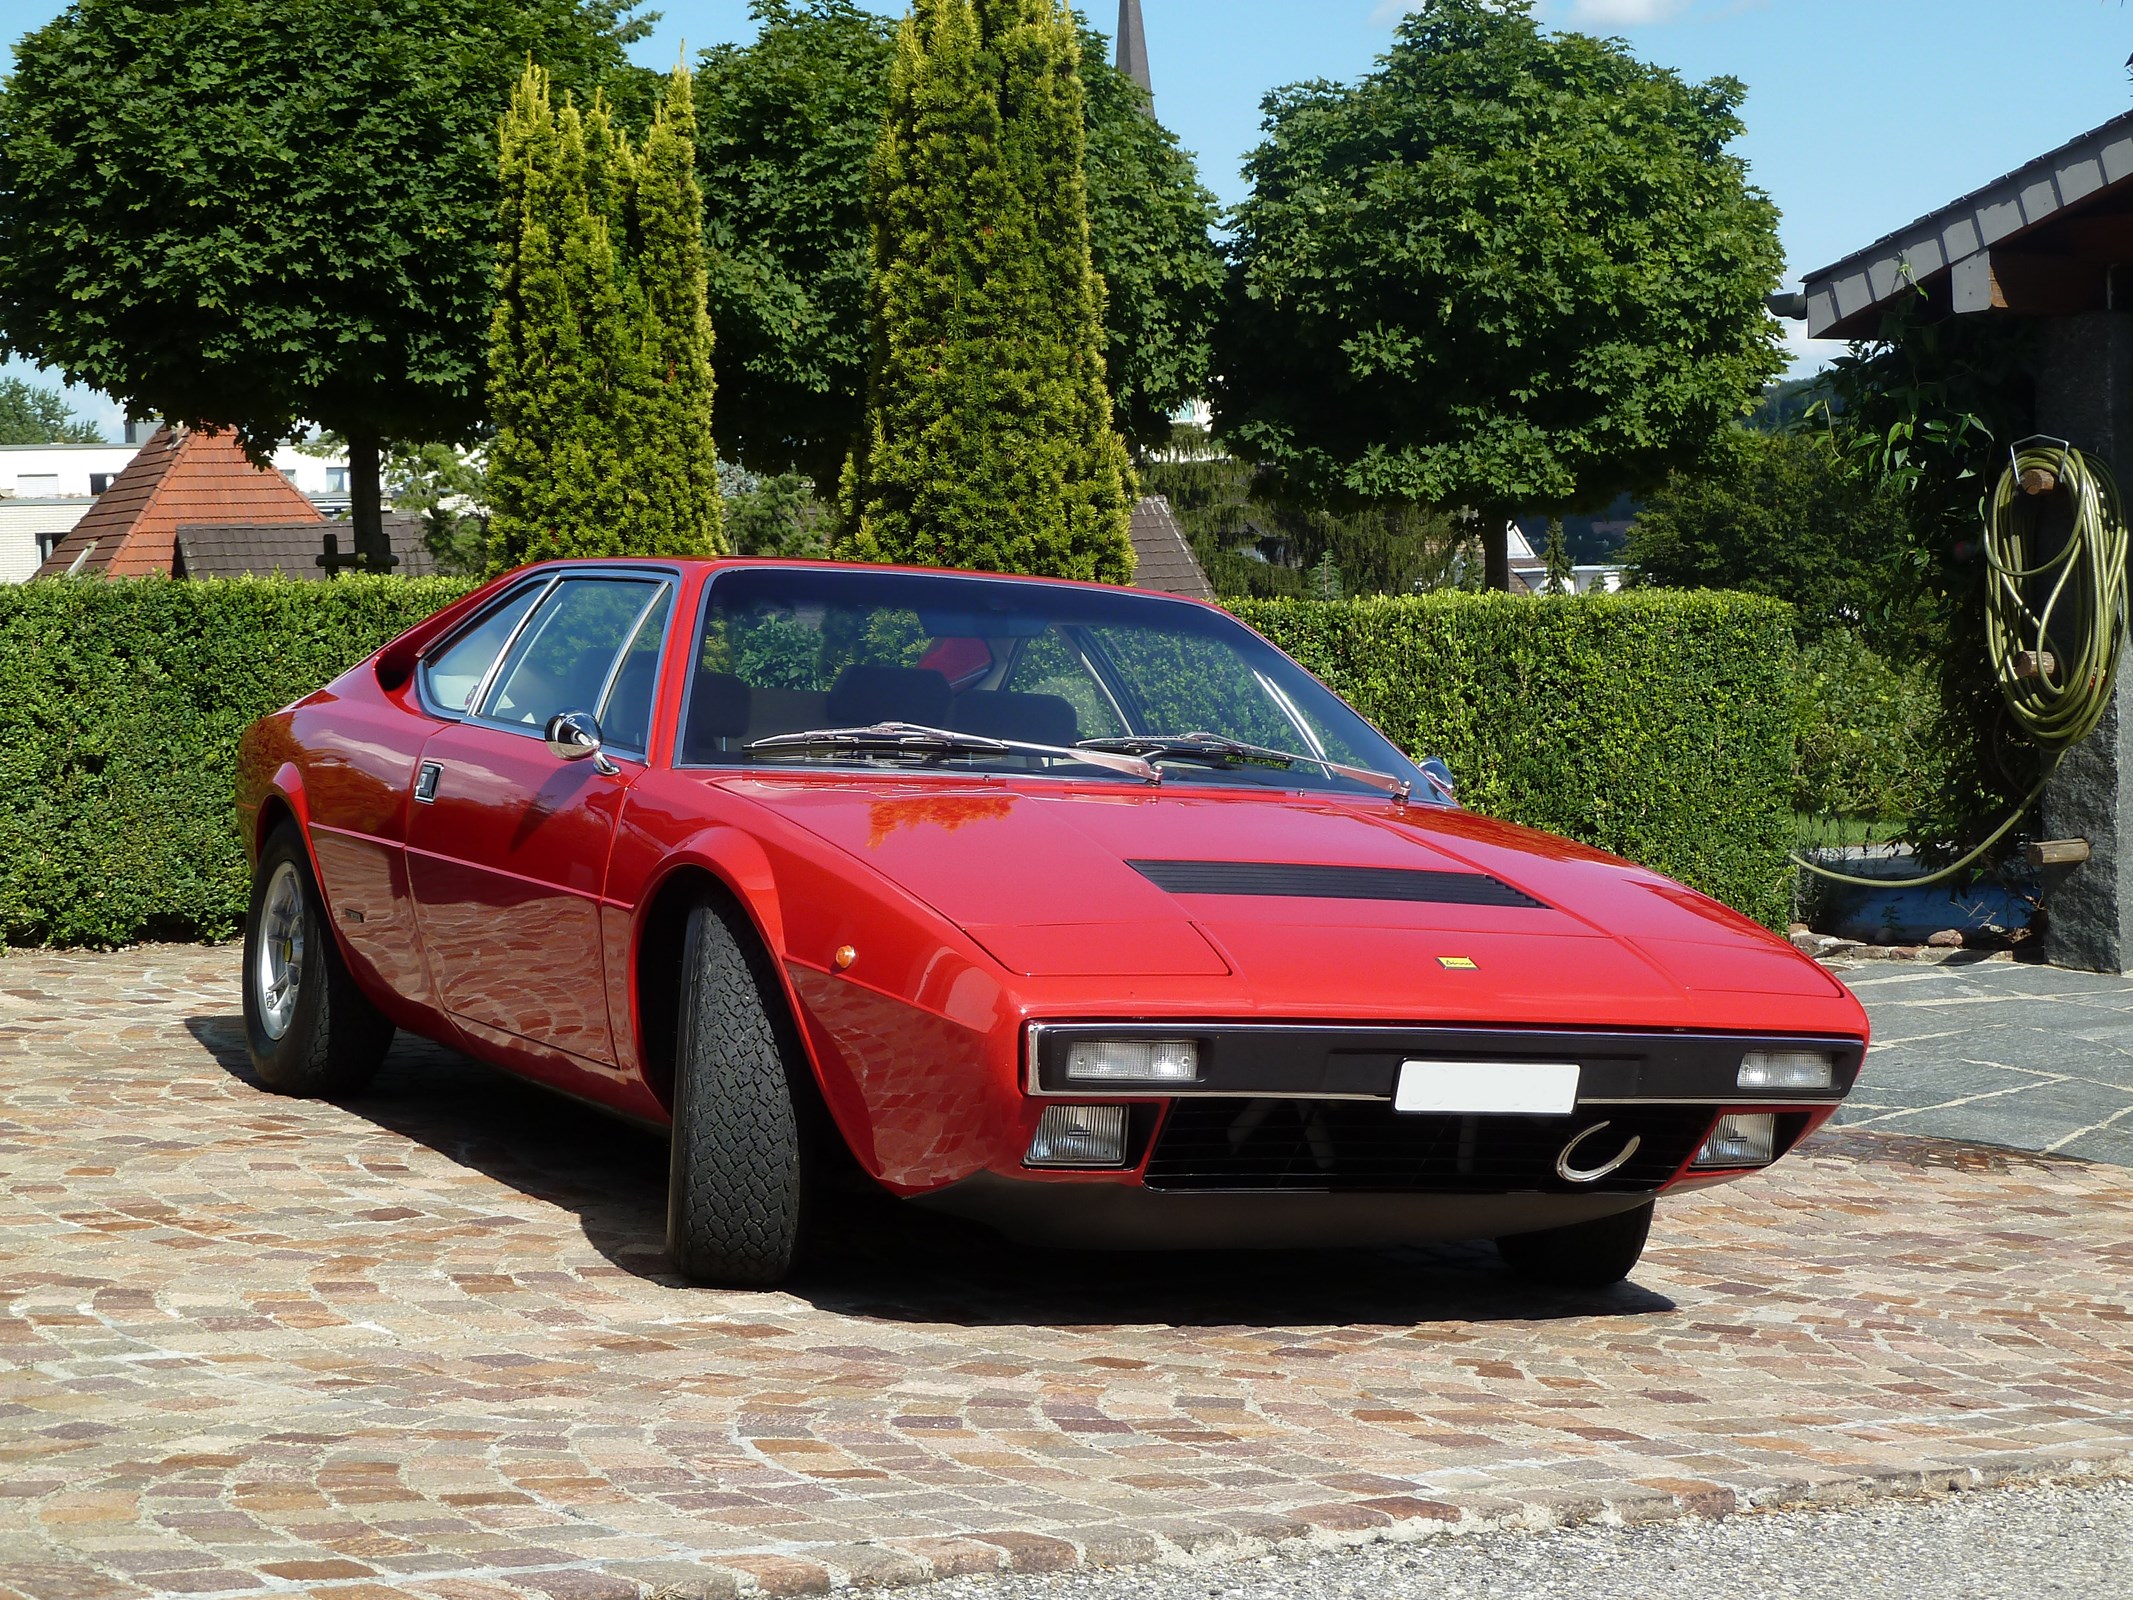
[[426, 782]]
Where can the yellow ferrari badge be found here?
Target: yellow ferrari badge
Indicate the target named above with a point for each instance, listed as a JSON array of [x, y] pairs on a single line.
[[1458, 963]]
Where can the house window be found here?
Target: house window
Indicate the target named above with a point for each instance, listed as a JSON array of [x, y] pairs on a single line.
[[336, 480], [32, 484], [48, 542], [100, 481]]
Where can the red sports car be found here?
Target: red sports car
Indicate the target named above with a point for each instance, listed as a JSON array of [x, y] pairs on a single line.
[[1079, 910]]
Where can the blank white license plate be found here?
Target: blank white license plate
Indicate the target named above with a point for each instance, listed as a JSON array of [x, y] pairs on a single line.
[[1488, 1088]]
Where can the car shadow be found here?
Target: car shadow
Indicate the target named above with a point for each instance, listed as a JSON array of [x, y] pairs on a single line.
[[888, 1261]]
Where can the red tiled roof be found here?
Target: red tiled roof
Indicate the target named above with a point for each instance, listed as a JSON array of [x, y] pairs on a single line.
[[180, 476]]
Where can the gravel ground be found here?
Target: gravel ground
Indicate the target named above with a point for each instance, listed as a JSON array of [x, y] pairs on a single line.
[[2020, 1544]]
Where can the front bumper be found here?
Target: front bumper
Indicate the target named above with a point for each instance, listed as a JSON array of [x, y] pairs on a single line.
[[1289, 1136]]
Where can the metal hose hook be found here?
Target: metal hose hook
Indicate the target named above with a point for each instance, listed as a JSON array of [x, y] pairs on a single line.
[[2055, 623]]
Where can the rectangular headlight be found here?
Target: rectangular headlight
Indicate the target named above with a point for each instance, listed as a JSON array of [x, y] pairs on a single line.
[[1079, 1136], [1788, 1069], [1746, 1140], [1133, 1061]]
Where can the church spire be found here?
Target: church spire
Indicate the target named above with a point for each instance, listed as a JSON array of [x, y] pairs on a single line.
[[1133, 45]]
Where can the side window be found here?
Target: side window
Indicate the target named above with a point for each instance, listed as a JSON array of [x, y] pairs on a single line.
[[451, 679], [626, 719], [561, 662]]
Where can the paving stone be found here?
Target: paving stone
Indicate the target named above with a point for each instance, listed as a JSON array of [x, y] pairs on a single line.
[[426, 1344]]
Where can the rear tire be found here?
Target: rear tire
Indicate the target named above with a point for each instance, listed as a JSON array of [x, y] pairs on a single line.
[[737, 1177], [1583, 1255], [309, 1029]]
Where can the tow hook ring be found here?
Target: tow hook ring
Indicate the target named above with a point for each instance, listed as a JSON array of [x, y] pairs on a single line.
[[1570, 1174]]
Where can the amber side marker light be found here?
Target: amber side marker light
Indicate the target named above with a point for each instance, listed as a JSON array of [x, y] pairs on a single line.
[[1745, 1139], [1079, 1136]]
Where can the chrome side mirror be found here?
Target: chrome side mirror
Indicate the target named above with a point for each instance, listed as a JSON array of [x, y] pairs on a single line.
[[1439, 773], [574, 735]]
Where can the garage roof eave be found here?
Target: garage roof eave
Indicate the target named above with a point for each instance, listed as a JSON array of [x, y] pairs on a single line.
[[1846, 299]]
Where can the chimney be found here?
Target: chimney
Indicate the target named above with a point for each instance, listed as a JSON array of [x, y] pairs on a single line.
[[1133, 46]]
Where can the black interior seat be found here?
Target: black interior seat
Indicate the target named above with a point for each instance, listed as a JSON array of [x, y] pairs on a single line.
[[863, 696], [772, 711], [721, 708], [1032, 718]]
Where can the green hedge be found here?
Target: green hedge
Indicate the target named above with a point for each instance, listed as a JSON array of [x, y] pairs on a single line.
[[120, 708], [1655, 725]]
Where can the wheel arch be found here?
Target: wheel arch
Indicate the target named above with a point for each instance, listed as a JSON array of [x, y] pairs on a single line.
[[731, 871]]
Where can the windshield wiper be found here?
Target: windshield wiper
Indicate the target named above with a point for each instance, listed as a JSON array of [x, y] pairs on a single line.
[[916, 740], [1217, 751]]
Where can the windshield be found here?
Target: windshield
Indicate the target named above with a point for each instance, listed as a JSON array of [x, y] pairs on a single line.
[[787, 651]]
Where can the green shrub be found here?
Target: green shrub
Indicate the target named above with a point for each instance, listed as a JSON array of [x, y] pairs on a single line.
[[120, 708], [1870, 735], [1656, 725]]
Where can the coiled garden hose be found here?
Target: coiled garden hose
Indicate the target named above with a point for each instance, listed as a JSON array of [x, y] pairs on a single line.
[[2054, 623]]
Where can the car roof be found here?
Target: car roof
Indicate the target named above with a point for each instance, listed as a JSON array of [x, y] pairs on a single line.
[[691, 564]]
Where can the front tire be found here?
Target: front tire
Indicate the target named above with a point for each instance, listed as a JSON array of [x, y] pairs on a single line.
[[309, 1029], [737, 1176], [1583, 1255]]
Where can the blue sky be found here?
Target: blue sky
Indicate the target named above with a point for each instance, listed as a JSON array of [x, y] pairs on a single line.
[[1861, 114]]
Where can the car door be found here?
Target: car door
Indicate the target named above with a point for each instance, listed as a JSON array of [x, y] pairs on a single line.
[[508, 842]]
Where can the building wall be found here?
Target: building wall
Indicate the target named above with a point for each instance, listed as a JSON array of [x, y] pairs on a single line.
[[59, 471], [21, 521]]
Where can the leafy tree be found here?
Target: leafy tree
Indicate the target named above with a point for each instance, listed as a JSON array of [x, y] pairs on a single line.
[[1151, 238], [262, 215], [33, 414], [1252, 543], [599, 358], [775, 516], [788, 125], [447, 489], [988, 440], [1506, 269], [1781, 514]]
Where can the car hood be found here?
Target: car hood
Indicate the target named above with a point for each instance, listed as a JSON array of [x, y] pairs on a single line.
[[1068, 882]]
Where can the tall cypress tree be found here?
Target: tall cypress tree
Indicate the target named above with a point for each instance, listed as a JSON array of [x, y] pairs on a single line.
[[677, 464], [600, 348], [988, 439]]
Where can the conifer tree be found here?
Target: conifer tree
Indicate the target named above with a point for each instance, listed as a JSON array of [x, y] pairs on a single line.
[[677, 464], [600, 354], [988, 439]]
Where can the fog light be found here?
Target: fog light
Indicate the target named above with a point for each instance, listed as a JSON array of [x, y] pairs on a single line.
[[1748, 1140], [1133, 1061], [1788, 1069], [1079, 1136]]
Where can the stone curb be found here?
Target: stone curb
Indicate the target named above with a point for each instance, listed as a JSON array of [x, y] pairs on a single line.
[[1345, 1525]]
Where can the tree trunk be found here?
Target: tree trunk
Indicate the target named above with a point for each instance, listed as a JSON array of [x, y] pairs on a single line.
[[366, 514], [1496, 550]]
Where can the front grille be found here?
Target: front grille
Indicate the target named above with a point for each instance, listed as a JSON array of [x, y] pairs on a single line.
[[1298, 882], [1366, 1147]]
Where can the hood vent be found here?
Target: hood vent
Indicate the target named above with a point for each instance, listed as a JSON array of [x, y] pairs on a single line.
[[1331, 883]]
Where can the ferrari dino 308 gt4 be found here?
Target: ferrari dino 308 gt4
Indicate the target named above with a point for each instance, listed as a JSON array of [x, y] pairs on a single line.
[[1079, 910]]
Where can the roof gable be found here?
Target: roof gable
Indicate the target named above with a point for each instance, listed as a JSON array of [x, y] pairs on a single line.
[[1162, 559], [180, 476]]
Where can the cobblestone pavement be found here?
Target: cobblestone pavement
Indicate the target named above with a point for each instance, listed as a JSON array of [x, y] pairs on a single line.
[[426, 1345], [2007, 1053]]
